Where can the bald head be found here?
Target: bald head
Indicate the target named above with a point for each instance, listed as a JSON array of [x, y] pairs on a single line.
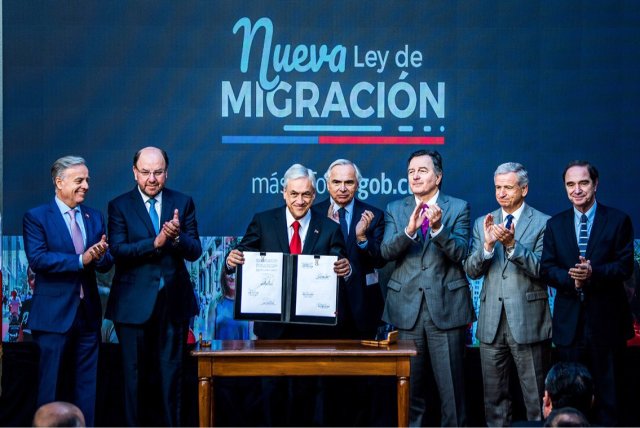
[[150, 170], [58, 414]]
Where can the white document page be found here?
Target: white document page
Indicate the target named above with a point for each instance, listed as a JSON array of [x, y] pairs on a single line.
[[316, 286], [261, 283]]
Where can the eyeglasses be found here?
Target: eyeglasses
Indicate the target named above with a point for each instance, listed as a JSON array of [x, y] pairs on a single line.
[[146, 173]]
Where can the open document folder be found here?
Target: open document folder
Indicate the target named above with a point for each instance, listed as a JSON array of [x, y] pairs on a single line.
[[287, 288]]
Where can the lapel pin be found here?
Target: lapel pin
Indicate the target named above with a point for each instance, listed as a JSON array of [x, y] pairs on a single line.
[[316, 231]]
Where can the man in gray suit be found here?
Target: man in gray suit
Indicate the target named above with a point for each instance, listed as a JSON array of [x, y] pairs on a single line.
[[428, 297], [514, 310]]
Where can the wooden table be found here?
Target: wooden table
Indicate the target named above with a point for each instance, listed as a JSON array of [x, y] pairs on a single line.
[[301, 358]]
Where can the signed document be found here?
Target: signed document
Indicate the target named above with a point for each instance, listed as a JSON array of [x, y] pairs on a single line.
[[262, 283], [316, 286], [286, 288]]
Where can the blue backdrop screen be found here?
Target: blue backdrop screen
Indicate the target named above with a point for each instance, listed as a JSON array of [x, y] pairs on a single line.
[[238, 91]]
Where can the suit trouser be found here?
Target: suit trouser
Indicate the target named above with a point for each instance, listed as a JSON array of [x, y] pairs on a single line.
[[153, 351], [445, 351], [80, 344], [530, 361], [603, 362]]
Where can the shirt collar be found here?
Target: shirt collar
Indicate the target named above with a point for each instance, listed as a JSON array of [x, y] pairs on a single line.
[[431, 201], [304, 221], [516, 214], [64, 207], [591, 213], [146, 197], [348, 208]]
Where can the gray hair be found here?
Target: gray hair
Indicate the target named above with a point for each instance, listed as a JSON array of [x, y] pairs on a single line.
[[61, 165], [515, 167], [296, 171], [343, 162]]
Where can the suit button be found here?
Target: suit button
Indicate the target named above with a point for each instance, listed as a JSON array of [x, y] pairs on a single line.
[[420, 289], [500, 299], [424, 268]]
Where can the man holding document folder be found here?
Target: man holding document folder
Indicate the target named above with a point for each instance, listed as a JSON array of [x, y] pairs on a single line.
[[293, 229]]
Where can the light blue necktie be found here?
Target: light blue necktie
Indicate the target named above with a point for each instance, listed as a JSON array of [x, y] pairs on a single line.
[[156, 225], [154, 215]]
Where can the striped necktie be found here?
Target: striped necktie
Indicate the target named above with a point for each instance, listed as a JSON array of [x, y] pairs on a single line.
[[583, 236], [509, 221]]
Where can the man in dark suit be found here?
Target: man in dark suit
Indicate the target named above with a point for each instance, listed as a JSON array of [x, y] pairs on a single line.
[[428, 296], [361, 301], [515, 322], [65, 244], [362, 225], [152, 230], [587, 256], [293, 229], [273, 231]]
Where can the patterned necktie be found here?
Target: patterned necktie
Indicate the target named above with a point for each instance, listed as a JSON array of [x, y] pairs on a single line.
[[154, 215], [424, 227], [76, 233], [76, 237], [583, 236], [509, 220], [343, 222], [295, 246]]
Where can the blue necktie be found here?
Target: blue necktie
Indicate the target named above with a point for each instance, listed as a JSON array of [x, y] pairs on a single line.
[[156, 225], [343, 222], [583, 236], [509, 220], [154, 215]]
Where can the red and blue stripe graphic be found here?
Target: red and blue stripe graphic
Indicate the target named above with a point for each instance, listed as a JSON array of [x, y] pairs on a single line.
[[331, 139]]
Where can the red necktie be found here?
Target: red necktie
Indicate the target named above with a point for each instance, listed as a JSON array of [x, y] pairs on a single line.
[[295, 246], [425, 224]]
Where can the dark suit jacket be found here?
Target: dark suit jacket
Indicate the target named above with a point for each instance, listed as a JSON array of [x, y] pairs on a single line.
[[268, 232], [610, 249], [52, 256], [139, 266], [364, 302]]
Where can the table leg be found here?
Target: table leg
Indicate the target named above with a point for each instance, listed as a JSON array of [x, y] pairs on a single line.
[[205, 401], [403, 401]]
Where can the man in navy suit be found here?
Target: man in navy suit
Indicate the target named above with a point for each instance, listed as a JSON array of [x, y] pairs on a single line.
[[361, 301], [65, 244], [591, 315], [152, 230]]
